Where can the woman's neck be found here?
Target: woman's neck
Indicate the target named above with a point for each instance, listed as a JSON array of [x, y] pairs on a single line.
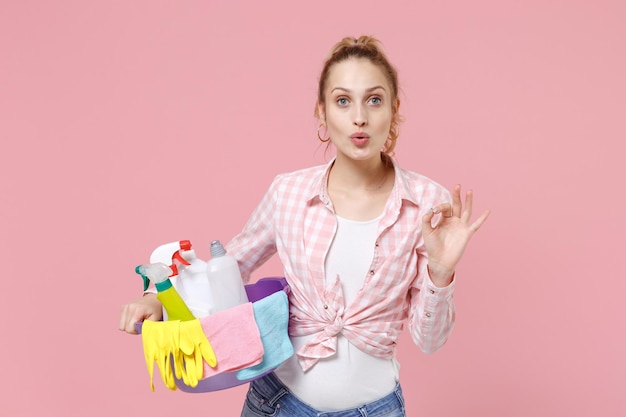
[[366, 175], [359, 190]]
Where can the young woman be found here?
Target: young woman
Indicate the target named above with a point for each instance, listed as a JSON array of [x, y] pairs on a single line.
[[366, 247]]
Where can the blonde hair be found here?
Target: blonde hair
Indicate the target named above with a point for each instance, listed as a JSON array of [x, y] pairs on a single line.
[[369, 48]]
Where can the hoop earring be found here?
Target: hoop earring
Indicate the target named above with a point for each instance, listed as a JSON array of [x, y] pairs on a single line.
[[320, 137]]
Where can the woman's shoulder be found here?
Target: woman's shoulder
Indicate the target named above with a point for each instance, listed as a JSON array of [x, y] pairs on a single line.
[[303, 182], [421, 185], [419, 178], [312, 173]]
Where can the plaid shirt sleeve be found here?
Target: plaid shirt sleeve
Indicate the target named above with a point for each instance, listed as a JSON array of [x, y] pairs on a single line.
[[431, 315], [431, 311], [256, 243]]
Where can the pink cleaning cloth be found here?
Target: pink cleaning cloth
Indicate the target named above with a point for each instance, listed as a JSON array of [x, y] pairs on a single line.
[[235, 338]]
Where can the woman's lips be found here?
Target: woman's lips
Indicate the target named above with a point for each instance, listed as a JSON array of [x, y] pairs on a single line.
[[360, 138]]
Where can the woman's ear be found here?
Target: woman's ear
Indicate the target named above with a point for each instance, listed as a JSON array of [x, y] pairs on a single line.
[[320, 112], [396, 106]]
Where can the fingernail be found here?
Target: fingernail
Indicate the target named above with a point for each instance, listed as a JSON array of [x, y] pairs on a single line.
[[434, 210]]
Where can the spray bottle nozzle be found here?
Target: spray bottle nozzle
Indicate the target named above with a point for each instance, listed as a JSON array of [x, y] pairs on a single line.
[[146, 280], [158, 272], [184, 245], [178, 257], [168, 255]]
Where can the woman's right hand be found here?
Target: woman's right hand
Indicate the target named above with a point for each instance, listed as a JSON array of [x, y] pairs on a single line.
[[147, 307]]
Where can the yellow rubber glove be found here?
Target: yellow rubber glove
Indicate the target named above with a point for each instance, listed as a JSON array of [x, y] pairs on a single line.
[[160, 343], [194, 349]]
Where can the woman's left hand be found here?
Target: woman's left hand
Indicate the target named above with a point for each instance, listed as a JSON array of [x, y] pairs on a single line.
[[446, 241]]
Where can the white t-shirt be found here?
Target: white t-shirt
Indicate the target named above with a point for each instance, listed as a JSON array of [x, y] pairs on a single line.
[[351, 377]]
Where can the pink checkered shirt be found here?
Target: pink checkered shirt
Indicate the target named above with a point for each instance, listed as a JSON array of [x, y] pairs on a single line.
[[296, 220]]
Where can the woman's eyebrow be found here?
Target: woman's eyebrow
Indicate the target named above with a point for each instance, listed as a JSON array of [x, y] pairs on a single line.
[[368, 90]]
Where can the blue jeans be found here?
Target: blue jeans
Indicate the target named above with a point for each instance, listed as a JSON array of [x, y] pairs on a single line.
[[267, 396]]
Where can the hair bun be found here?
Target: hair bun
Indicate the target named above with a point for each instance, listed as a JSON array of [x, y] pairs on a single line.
[[365, 40]]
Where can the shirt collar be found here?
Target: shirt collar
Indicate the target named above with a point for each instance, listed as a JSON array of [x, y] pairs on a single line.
[[319, 187], [401, 188]]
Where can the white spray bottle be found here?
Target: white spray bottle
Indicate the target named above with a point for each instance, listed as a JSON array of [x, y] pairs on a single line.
[[193, 284], [171, 254]]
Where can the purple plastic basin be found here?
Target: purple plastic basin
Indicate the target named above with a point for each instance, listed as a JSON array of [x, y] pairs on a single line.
[[260, 289]]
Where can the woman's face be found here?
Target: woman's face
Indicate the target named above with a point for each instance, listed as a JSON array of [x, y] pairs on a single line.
[[358, 110]]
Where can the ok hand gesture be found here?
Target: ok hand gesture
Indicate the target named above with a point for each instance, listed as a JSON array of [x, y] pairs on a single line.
[[446, 241]]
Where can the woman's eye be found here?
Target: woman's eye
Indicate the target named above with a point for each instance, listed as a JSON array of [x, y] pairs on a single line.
[[342, 101], [376, 100]]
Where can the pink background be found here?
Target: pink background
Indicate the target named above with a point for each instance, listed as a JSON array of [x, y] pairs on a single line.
[[127, 124]]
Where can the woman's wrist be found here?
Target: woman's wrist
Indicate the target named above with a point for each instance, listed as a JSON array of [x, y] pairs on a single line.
[[440, 277]]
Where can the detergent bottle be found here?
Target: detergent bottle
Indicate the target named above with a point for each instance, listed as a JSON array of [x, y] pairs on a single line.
[[193, 284], [160, 273], [224, 279]]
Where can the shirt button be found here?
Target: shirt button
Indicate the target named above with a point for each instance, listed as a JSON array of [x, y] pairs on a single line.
[[427, 314], [371, 272], [377, 244], [432, 291], [325, 306]]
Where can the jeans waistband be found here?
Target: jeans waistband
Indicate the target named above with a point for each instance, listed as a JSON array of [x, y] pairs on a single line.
[[273, 390]]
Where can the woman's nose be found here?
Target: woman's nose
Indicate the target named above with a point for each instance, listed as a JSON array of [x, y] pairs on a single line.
[[360, 117]]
